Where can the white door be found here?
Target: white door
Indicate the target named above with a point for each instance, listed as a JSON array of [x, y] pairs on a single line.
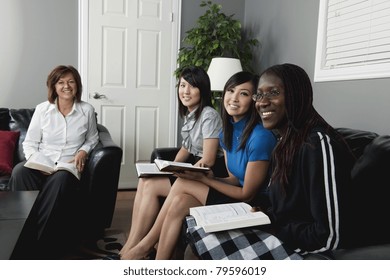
[[131, 57]]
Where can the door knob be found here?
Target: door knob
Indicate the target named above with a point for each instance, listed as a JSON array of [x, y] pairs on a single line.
[[97, 95]]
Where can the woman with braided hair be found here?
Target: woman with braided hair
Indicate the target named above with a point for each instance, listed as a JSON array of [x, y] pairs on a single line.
[[310, 185]]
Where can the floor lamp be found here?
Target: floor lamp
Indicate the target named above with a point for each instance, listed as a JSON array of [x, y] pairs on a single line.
[[220, 70]]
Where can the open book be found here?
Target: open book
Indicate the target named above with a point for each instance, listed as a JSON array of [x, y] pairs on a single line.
[[227, 216], [174, 166], [165, 167], [145, 169], [43, 163]]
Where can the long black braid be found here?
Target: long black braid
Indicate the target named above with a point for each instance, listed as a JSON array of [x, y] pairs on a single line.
[[301, 118]]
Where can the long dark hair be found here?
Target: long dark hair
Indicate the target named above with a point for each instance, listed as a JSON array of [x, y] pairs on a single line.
[[252, 115], [56, 74], [301, 118], [196, 77]]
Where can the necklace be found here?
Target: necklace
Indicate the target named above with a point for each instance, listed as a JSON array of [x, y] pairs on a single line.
[[237, 136]]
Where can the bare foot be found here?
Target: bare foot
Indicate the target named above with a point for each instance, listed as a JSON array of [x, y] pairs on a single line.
[[135, 253], [125, 249], [128, 246]]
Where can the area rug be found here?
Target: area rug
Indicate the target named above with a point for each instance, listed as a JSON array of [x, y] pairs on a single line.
[[110, 244]]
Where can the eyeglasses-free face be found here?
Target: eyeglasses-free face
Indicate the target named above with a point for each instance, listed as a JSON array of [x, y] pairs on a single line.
[[189, 95], [66, 87], [269, 95], [238, 100]]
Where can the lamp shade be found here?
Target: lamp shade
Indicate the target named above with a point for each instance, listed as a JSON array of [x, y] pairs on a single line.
[[221, 69]]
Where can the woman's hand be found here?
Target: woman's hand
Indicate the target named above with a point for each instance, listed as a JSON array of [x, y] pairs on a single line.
[[256, 209], [80, 160], [194, 175]]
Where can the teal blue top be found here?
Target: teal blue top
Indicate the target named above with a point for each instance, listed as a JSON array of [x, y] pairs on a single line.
[[259, 146]]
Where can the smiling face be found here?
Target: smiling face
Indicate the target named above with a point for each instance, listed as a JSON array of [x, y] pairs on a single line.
[[238, 100], [66, 87], [272, 108], [189, 95]]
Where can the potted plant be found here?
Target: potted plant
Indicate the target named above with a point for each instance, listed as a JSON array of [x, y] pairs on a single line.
[[216, 35]]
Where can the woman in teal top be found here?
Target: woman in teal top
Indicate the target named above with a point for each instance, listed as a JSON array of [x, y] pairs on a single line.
[[258, 147], [240, 138], [252, 151]]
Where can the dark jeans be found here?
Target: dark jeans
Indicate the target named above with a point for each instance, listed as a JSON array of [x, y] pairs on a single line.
[[51, 228]]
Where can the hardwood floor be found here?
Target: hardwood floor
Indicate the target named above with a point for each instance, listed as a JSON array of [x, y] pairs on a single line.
[[123, 210]]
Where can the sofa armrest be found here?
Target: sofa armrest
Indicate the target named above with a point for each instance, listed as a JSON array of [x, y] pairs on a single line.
[[357, 139], [164, 153], [100, 182]]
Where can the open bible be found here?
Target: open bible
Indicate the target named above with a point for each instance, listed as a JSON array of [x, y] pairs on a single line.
[[165, 167], [174, 166], [227, 216], [43, 163], [145, 169]]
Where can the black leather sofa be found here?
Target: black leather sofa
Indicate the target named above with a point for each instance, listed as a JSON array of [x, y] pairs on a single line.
[[371, 177], [100, 178]]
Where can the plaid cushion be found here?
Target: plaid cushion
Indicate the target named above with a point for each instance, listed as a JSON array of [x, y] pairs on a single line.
[[240, 244]]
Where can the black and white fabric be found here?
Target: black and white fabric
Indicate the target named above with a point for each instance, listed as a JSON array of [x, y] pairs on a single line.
[[240, 244]]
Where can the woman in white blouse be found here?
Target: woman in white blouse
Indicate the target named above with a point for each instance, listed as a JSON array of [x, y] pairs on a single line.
[[62, 128]]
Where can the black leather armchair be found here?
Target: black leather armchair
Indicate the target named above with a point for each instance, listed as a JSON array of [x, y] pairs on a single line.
[[100, 178], [101, 182], [164, 153]]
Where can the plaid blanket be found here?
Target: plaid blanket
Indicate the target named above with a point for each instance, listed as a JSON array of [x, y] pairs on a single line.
[[240, 244]]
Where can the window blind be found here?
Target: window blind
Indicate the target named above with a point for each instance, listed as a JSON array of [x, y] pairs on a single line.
[[355, 39]]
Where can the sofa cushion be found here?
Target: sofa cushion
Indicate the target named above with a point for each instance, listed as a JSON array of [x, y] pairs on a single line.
[[357, 139], [4, 119], [8, 140], [375, 160], [371, 180]]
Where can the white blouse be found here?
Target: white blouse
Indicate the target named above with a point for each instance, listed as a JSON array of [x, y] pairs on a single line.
[[60, 137]]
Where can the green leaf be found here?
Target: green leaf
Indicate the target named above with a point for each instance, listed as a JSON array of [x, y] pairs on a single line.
[[215, 34]]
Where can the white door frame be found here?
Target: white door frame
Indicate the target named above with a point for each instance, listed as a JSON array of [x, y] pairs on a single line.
[[83, 34]]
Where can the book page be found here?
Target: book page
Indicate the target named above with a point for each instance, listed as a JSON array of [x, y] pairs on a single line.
[[149, 169], [164, 163], [41, 162], [174, 166], [221, 213], [227, 216], [68, 166]]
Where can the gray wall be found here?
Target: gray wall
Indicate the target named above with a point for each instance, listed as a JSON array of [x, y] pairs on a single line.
[[36, 36], [287, 30], [191, 12]]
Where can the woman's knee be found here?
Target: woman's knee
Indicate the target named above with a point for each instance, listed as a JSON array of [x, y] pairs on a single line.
[[23, 178], [20, 170], [180, 205], [179, 187], [155, 187], [62, 181]]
